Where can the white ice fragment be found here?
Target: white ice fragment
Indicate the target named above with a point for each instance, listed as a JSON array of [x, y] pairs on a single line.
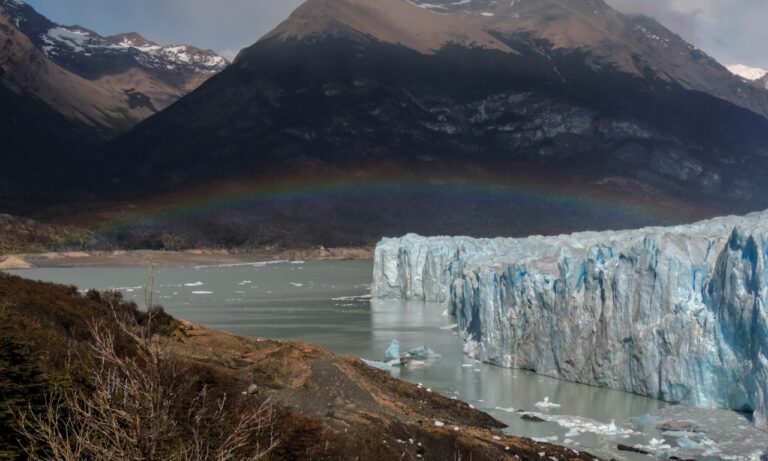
[[547, 404]]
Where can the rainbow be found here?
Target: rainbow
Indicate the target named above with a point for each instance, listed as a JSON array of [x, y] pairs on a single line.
[[245, 195]]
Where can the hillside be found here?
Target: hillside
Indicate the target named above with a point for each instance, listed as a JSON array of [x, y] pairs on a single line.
[[46, 342]]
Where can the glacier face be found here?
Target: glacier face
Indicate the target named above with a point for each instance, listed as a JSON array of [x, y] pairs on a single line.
[[676, 313]]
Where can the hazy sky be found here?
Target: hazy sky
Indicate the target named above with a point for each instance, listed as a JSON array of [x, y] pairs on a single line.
[[733, 31]]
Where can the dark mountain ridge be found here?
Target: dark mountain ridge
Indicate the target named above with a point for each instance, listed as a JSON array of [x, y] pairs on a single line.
[[561, 95]]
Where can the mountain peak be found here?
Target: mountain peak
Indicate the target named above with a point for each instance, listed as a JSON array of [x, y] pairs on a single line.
[[400, 22], [131, 38]]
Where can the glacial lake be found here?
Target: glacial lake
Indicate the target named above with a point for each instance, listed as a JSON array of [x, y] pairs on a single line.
[[328, 303]]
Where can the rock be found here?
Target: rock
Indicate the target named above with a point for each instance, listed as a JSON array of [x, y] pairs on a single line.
[[532, 418], [673, 313], [629, 449]]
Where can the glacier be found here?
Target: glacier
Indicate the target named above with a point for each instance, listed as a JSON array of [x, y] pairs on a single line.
[[673, 313]]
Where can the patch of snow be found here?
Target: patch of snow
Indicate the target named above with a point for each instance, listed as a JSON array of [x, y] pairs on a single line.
[[747, 72]]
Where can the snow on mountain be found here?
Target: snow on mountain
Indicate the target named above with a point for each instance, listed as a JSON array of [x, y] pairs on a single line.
[[109, 83], [747, 72], [170, 57], [63, 40], [677, 314], [68, 45]]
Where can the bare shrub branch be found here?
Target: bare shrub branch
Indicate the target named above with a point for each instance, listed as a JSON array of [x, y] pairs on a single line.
[[130, 410]]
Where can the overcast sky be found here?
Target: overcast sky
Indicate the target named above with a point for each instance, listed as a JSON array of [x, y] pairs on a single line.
[[733, 31]]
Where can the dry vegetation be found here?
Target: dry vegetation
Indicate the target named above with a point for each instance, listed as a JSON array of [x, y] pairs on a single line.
[[25, 235], [91, 377], [131, 410]]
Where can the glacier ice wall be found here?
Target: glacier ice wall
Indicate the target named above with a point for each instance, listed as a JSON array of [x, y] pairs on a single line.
[[676, 313]]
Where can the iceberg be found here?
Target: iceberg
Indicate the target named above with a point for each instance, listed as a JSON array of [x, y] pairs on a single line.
[[674, 313], [393, 351], [419, 356]]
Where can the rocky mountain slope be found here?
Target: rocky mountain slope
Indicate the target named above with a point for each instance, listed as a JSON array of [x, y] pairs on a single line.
[[41, 151], [558, 97], [672, 313], [108, 83]]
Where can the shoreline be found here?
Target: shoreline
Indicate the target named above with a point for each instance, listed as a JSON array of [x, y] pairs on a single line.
[[334, 405], [159, 258]]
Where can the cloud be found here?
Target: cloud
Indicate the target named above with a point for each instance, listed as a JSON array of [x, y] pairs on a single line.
[[733, 31]]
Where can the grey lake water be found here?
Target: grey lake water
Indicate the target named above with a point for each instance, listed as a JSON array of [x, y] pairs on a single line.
[[328, 303]]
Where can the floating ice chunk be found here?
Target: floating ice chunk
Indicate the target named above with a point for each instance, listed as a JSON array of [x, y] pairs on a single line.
[[422, 353], [547, 404], [417, 357], [659, 444], [393, 352], [202, 292], [508, 410], [578, 425], [352, 298], [194, 284], [450, 327], [378, 364]]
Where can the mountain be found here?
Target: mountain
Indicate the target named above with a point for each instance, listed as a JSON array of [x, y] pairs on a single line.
[[398, 116], [108, 83], [40, 149], [633, 44]]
